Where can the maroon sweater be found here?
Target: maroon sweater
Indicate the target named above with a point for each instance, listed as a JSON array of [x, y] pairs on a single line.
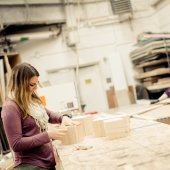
[[167, 91], [25, 139]]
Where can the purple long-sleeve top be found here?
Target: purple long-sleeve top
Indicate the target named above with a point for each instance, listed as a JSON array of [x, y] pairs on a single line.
[[25, 139], [167, 91]]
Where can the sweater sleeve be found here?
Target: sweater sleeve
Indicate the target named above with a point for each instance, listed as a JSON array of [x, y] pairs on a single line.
[[11, 117], [54, 117], [168, 92]]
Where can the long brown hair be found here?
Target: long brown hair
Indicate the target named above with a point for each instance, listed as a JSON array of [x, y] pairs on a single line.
[[19, 86]]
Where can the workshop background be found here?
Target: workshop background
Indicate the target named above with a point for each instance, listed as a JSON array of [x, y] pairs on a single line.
[[92, 55], [95, 36]]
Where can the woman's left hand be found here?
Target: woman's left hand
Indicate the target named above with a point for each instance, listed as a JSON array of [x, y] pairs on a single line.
[[67, 121]]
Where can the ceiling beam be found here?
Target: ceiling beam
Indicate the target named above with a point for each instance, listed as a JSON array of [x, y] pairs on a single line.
[[30, 2]]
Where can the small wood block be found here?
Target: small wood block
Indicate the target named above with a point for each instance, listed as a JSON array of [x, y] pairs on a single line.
[[86, 121], [98, 127], [116, 128]]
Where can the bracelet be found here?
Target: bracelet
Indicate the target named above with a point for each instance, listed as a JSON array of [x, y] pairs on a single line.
[[68, 115]]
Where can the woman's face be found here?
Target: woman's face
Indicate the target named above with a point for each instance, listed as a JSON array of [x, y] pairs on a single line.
[[33, 84]]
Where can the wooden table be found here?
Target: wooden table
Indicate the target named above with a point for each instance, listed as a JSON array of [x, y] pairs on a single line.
[[146, 148]]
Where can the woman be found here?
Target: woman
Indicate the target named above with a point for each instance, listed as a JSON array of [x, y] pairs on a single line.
[[25, 122]]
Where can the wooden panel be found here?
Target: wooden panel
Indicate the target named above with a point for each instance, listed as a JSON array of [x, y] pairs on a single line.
[[7, 62], [111, 98], [2, 80], [164, 120], [131, 95], [13, 58], [150, 63], [155, 72]]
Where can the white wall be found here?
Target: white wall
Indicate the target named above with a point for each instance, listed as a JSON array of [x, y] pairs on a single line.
[[112, 43], [162, 14]]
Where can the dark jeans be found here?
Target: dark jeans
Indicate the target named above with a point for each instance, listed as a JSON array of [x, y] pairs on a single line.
[[25, 166]]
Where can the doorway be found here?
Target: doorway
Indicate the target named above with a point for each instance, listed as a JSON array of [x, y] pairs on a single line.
[[92, 92]]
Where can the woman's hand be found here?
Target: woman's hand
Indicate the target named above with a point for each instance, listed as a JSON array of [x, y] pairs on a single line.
[[69, 122], [56, 133]]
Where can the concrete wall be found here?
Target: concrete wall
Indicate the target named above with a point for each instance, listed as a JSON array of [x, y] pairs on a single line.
[[162, 13], [109, 42]]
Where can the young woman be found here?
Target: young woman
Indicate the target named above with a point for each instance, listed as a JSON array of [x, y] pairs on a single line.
[[25, 122]]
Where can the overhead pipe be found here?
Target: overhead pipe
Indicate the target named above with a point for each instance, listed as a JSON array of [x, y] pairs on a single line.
[[40, 2], [34, 35], [30, 2]]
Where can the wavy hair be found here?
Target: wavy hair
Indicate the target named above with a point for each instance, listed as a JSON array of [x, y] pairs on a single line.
[[19, 86]]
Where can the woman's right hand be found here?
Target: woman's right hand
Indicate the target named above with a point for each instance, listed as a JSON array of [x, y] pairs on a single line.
[[56, 133]]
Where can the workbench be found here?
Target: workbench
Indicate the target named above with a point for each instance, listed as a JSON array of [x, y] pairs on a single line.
[[145, 148]]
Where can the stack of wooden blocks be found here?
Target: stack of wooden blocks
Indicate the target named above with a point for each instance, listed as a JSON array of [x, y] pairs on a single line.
[[112, 127], [109, 127], [117, 128], [76, 134]]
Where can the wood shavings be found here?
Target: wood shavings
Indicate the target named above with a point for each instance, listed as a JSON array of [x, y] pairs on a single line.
[[83, 147]]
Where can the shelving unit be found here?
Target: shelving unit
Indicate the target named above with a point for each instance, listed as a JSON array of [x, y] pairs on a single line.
[[151, 62], [7, 62]]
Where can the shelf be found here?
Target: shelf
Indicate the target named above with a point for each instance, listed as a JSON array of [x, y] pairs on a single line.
[[155, 72], [151, 64], [150, 49], [157, 87], [7, 62]]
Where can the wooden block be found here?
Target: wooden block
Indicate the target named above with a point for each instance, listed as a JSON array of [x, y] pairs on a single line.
[[116, 128], [74, 134], [126, 120], [71, 136], [80, 132], [81, 120], [98, 127], [86, 121]]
